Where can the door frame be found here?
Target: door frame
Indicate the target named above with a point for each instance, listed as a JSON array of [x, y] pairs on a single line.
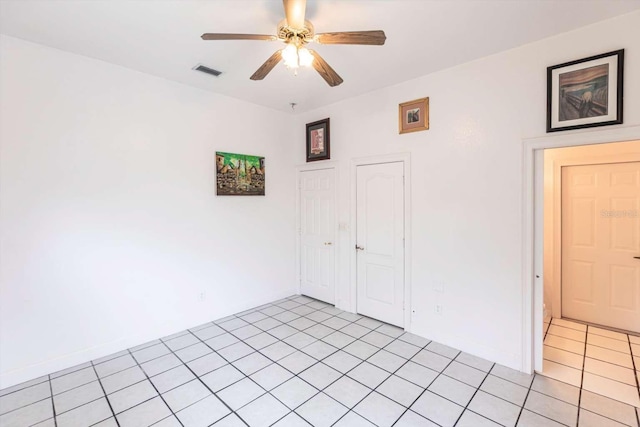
[[405, 159], [333, 165], [532, 229]]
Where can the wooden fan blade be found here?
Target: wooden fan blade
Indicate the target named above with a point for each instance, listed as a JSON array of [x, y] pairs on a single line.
[[266, 68], [295, 11], [328, 74], [222, 36], [376, 37]]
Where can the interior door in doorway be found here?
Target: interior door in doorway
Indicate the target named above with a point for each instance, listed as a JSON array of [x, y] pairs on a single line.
[[600, 243], [317, 234], [380, 241]]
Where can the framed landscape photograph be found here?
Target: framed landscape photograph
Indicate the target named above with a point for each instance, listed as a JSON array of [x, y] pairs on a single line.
[[239, 175], [585, 93], [413, 115], [318, 147]]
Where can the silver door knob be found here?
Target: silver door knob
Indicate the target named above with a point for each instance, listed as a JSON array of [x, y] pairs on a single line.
[[359, 248], [328, 243]]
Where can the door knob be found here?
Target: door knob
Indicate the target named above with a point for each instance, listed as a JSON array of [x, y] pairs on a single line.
[[637, 257], [358, 248], [328, 243]]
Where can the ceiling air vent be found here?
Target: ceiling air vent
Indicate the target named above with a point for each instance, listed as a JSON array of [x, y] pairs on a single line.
[[207, 70]]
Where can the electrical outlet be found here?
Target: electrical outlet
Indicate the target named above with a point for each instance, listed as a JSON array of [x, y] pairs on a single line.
[[439, 309], [202, 296]]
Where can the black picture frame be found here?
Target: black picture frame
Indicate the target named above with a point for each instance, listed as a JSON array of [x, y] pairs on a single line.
[[586, 93], [318, 141]]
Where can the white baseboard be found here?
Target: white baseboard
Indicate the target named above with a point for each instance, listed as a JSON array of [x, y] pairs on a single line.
[[473, 347], [30, 372]]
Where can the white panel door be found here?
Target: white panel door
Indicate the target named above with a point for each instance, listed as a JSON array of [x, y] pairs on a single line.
[[317, 234], [600, 240], [380, 241]]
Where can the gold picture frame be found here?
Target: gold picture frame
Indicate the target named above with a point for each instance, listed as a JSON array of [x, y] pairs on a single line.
[[413, 116]]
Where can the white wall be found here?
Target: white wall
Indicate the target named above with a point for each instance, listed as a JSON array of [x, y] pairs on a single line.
[[467, 179], [110, 227]]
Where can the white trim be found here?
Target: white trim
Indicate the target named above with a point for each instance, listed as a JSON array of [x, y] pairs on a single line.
[[531, 253], [405, 158], [336, 174]]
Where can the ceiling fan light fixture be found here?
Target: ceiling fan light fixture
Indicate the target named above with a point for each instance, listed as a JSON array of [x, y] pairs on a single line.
[[295, 57], [304, 56], [290, 56]]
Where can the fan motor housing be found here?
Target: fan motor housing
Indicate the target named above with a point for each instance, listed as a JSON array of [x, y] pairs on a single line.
[[287, 33]]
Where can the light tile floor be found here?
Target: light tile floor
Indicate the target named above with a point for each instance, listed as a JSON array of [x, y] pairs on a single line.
[[300, 362], [593, 359]]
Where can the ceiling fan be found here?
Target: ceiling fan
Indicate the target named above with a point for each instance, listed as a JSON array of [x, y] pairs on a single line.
[[296, 32]]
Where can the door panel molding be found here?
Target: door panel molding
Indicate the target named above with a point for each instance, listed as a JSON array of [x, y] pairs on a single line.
[[405, 158]]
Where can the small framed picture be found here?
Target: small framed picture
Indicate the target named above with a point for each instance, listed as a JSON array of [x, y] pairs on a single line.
[[585, 93], [318, 147], [413, 115]]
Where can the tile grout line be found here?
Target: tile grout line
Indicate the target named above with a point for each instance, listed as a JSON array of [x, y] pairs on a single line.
[[580, 388], [174, 336], [636, 376], [526, 397], [294, 375], [231, 332], [584, 342], [487, 373], [53, 406], [275, 362], [155, 388], [105, 396], [584, 361], [474, 395], [296, 349], [339, 349], [320, 361], [160, 341], [427, 387], [389, 376], [24, 388], [196, 377], [28, 404], [592, 373]]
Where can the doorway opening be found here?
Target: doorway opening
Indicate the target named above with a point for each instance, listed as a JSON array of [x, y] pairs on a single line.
[[591, 286]]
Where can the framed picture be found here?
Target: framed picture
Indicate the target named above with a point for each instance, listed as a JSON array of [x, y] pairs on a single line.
[[413, 116], [585, 93], [239, 175], [318, 147]]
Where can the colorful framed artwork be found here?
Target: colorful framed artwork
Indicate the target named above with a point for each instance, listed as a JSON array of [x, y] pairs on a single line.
[[239, 175], [413, 116], [585, 93], [318, 147]]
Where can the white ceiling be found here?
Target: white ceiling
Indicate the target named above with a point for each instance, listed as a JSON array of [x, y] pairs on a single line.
[[163, 38]]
